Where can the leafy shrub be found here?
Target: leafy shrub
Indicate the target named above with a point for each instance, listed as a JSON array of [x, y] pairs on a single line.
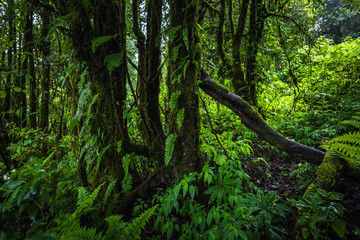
[[231, 207], [320, 215]]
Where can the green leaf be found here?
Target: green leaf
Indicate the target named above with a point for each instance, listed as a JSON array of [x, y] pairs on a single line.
[[305, 233], [185, 189], [2, 94], [169, 147], [177, 190], [220, 159], [17, 89], [192, 192], [100, 41], [173, 99], [339, 226], [113, 61], [180, 117], [209, 218]]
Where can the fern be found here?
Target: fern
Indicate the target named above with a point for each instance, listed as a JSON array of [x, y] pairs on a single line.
[[82, 104], [100, 41], [127, 181], [109, 190], [169, 147], [348, 144], [305, 174], [173, 99], [180, 117], [85, 200], [118, 229]]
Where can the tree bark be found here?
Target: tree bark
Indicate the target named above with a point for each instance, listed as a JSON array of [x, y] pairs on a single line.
[[45, 80], [184, 55], [33, 86]]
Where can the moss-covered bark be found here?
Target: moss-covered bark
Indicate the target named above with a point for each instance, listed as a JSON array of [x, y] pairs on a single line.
[[184, 72]]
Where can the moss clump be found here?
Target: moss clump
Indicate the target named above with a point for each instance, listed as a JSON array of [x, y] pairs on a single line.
[[328, 172]]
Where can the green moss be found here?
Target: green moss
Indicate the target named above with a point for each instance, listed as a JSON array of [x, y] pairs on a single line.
[[328, 172]]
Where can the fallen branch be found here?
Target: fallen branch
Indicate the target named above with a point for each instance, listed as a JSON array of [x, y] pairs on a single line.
[[252, 120]]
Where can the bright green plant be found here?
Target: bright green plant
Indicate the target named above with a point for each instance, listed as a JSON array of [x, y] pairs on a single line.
[[320, 215], [348, 144]]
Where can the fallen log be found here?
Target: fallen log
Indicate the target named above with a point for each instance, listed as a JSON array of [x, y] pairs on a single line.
[[252, 120]]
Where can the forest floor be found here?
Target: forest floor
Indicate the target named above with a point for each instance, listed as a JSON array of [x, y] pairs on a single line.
[[276, 177]]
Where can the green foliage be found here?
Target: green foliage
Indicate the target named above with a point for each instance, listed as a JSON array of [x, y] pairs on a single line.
[[348, 144], [169, 147], [34, 194], [113, 61], [320, 215], [70, 227], [127, 180], [97, 42], [305, 174], [232, 211]]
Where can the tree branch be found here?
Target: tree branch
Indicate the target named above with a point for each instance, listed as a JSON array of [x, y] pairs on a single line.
[[252, 120]]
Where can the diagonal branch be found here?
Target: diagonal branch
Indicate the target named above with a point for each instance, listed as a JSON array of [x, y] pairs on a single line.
[[252, 120]]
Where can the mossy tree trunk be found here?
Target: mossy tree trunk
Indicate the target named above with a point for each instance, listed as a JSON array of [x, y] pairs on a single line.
[[184, 55], [45, 78], [255, 34], [107, 72]]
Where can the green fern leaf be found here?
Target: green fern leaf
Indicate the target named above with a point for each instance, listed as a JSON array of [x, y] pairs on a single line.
[[137, 224], [113, 61], [173, 99], [169, 147], [100, 41], [127, 181], [180, 117], [109, 190]]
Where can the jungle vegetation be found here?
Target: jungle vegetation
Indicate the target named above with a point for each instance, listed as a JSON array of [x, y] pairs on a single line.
[[179, 119]]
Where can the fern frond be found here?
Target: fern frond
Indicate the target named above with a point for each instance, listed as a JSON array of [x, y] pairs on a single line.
[[180, 117], [351, 138], [137, 224], [347, 144], [85, 200], [173, 99], [109, 190], [127, 181], [79, 233], [169, 147], [116, 225], [353, 123]]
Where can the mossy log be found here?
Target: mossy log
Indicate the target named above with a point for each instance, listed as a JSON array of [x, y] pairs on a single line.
[[252, 120], [331, 166], [328, 172]]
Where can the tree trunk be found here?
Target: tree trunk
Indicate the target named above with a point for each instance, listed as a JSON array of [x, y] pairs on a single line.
[[255, 34], [33, 86], [10, 15], [45, 79], [184, 72]]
